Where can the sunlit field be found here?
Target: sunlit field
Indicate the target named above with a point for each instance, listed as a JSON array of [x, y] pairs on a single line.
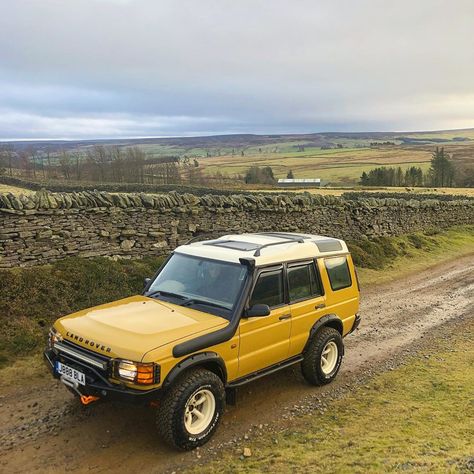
[[4, 188], [335, 166], [339, 191]]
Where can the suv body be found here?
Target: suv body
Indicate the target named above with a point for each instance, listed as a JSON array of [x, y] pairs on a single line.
[[216, 315]]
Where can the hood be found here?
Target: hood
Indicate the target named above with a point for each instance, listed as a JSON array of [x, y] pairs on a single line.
[[129, 328]]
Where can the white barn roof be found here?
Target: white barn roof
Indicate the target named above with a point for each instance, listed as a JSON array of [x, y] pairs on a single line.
[[299, 180]]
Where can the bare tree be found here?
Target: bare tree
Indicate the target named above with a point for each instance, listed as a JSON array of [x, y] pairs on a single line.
[[77, 160], [65, 164], [25, 163], [48, 160], [135, 159], [6, 158], [117, 164], [98, 156]]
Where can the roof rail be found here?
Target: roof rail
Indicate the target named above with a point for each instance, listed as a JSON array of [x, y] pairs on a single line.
[[288, 241], [284, 235]]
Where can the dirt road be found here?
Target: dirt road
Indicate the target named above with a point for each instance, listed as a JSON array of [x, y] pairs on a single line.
[[43, 428]]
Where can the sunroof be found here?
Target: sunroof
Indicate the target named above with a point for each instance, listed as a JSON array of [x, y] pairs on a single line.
[[235, 245]]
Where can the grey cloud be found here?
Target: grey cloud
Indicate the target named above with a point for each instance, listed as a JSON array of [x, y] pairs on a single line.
[[86, 68]]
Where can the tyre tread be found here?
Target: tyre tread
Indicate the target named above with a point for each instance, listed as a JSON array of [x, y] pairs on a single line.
[[311, 354], [169, 403]]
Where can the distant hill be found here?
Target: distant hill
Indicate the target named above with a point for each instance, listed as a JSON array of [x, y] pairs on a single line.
[[254, 140]]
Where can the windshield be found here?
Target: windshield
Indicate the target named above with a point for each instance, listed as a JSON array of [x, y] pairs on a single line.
[[193, 280]]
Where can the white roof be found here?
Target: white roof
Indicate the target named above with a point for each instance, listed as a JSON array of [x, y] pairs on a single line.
[[265, 248]]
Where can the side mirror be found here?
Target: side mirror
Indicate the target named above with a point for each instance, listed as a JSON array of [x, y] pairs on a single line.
[[258, 310], [146, 281]]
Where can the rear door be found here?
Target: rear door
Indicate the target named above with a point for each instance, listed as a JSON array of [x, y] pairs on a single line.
[[264, 340]]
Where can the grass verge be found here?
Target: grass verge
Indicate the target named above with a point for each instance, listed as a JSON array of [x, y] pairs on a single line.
[[387, 258], [415, 418]]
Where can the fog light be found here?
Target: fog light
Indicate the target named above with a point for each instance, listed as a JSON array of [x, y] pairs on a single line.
[[53, 337]]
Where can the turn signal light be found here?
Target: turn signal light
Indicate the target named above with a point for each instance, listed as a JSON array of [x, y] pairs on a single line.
[[145, 374]]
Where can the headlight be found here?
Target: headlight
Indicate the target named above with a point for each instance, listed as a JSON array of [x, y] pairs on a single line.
[[137, 372], [53, 337]]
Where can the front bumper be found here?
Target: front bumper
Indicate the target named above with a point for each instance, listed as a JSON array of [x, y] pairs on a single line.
[[97, 384]]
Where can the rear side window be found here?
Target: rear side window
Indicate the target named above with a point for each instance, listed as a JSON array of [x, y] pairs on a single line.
[[303, 282], [338, 272], [268, 289]]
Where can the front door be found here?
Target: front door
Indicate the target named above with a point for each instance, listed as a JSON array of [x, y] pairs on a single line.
[[265, 340]]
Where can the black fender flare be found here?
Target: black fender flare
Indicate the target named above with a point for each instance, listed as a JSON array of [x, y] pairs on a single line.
[[201, 359], [331, 320]]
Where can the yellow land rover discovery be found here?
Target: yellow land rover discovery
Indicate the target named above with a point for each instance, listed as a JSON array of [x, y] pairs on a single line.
[[217, 314]]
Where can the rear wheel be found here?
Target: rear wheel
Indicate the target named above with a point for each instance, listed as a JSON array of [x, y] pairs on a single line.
[[191, 410], [323, 356]]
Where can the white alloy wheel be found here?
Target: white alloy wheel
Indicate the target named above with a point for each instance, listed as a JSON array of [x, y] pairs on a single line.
[[329, 357], [199, 411]]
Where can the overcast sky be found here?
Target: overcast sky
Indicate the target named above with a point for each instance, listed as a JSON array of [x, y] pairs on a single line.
[[123, 68]]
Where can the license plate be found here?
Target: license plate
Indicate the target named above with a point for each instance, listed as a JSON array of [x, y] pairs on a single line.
[[70, 374]]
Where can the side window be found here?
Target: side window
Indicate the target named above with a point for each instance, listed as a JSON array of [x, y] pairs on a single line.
[[338, 272], [268, 289], [303, 282], [316, 286]]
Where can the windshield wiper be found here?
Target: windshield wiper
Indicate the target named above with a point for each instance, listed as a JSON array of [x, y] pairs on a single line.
[[166, 293], [187, 301], [191, 301]]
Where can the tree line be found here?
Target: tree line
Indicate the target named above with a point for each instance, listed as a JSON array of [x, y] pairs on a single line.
[[440, 174], [101, 163], [388, 176]]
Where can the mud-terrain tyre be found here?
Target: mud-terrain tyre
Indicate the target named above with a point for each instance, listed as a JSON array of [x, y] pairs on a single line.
[[323, 356], [177, 421]]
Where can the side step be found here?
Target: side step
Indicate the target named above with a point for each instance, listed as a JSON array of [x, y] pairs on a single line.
[[261, 373]]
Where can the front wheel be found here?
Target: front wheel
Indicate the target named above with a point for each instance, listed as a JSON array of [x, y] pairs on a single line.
[[323, 356], [191, 410]]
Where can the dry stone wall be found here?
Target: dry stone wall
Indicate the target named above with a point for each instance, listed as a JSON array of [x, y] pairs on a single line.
[[43, 227]]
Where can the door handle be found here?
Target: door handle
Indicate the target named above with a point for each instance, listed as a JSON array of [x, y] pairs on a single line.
[[320, 306], [283, 317]]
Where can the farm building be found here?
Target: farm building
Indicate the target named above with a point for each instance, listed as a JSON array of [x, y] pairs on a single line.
[[300, 183]]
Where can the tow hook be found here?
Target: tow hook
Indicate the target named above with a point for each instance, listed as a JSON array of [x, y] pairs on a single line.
[[87, 399]]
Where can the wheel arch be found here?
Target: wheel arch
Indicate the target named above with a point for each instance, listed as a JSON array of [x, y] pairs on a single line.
[[328, 320], [207, 360]]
